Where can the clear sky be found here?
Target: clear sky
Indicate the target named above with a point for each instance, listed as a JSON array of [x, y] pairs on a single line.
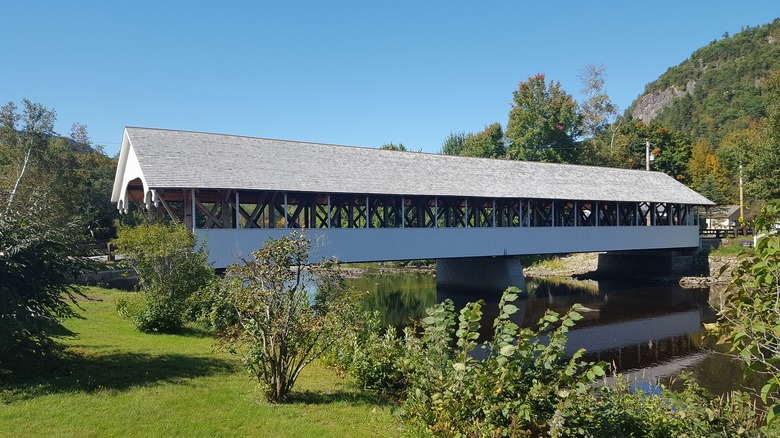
[[360, 73]]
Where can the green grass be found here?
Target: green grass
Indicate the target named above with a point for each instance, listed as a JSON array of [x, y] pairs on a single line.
[[729, 248], [114, 381]]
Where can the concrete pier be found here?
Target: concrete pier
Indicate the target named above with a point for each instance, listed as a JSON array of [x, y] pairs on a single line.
[[657, 262], [488, 274]]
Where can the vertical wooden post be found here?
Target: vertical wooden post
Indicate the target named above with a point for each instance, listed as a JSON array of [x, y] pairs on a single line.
[[238, 216], [553, 213], [192, 208], [403, 213], [435, 213], [286, 219], [598, 212]]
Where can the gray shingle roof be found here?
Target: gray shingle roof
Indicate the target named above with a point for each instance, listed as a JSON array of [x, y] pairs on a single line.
[[182, 159]]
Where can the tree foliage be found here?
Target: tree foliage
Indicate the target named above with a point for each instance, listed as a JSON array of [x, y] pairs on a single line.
[[749, 316], [723, 84], [393, 147], [38, 264], [597, 111], [37, 273], [170, 266], [289, 312], [543, 123], [453, 144], [75, 178], [488, 143]]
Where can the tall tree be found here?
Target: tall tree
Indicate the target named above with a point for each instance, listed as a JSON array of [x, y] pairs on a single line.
[[597, 111], [488, 143], [24, 139], [74, 176], [453, 144], [37, 261], [543, 122], [707, 175], [756, 152]]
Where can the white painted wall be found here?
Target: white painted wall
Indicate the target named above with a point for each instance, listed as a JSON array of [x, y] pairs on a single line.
[[383, 244]]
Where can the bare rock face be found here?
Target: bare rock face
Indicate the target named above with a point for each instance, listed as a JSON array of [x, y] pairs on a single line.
[[649, 105]]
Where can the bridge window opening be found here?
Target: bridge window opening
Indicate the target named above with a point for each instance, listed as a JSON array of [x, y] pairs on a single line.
[[586, 217], [565, 213], [607, 214], [661, 214], [482, 213], [214, 209], [645, 216], [627, 214], [542, 213], [507, 213], [679, 214]]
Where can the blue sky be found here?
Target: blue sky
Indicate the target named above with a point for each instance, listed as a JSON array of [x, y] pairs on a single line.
[[358, 73]]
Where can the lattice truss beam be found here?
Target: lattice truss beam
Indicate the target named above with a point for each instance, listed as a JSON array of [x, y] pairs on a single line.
[[269, 209]]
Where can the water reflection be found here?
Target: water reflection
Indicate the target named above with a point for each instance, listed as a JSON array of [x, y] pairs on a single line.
[[657, 329], [400, 298]]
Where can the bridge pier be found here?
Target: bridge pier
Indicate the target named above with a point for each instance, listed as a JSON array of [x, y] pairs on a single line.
[[488, 274], [655, 262]]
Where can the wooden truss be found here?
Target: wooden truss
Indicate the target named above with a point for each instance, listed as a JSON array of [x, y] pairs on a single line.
[[207, 208]]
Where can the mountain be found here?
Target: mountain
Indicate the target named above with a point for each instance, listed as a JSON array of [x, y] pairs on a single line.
[[719, 89]]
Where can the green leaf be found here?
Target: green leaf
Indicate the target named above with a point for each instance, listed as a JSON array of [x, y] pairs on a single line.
[[772, 413], [510, 309]]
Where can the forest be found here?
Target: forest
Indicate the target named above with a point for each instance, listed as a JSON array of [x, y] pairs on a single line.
[[711, 119]]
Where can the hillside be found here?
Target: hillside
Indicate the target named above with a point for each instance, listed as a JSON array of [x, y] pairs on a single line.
[[718, 89]]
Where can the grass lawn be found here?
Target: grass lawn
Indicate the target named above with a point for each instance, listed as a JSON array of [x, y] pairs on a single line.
[[116, 381]]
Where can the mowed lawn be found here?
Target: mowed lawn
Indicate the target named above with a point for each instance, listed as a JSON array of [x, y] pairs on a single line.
[[116, 381]]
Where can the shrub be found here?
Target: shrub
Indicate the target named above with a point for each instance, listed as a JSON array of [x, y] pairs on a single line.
[[211, 306], [170, 268], [750, 313], [513, 390], [289, 312], [37, 273], [618, 409]]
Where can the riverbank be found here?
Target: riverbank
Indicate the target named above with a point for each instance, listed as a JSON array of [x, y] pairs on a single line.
[[356, 270], [585, 266], [580, 266]]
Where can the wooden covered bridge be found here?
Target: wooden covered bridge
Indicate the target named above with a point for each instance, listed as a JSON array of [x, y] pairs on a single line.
[[374, 205]]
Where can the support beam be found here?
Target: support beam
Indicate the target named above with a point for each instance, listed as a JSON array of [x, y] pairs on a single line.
[[488, 274]]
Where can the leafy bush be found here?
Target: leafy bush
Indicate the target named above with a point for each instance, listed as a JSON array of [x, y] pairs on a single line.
[[37, 271], [375, 365], [618, 409], [750, 314], [170, 269], [515, 389], [289, 312], [211, 306]]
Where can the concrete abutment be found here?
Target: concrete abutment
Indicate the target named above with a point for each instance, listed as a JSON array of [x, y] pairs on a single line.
[[489, 274]]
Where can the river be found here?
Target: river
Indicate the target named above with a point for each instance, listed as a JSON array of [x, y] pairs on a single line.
[[649, 332]]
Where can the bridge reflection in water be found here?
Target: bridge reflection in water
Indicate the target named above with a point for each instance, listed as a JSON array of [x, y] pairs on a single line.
[[632, 326]]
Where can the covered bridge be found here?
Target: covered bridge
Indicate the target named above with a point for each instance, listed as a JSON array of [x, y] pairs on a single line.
[[371, 204]]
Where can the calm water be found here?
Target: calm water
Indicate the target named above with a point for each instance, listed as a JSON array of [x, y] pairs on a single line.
[[650, 332]]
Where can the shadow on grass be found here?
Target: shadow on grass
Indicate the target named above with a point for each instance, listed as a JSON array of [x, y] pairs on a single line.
[[72, 372], [353, 397]]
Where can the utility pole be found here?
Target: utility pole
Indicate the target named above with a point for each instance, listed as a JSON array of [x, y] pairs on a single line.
[[741, 198], [647, 155]]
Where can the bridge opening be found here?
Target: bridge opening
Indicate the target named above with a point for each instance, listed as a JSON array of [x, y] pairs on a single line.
[[264, 209]]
